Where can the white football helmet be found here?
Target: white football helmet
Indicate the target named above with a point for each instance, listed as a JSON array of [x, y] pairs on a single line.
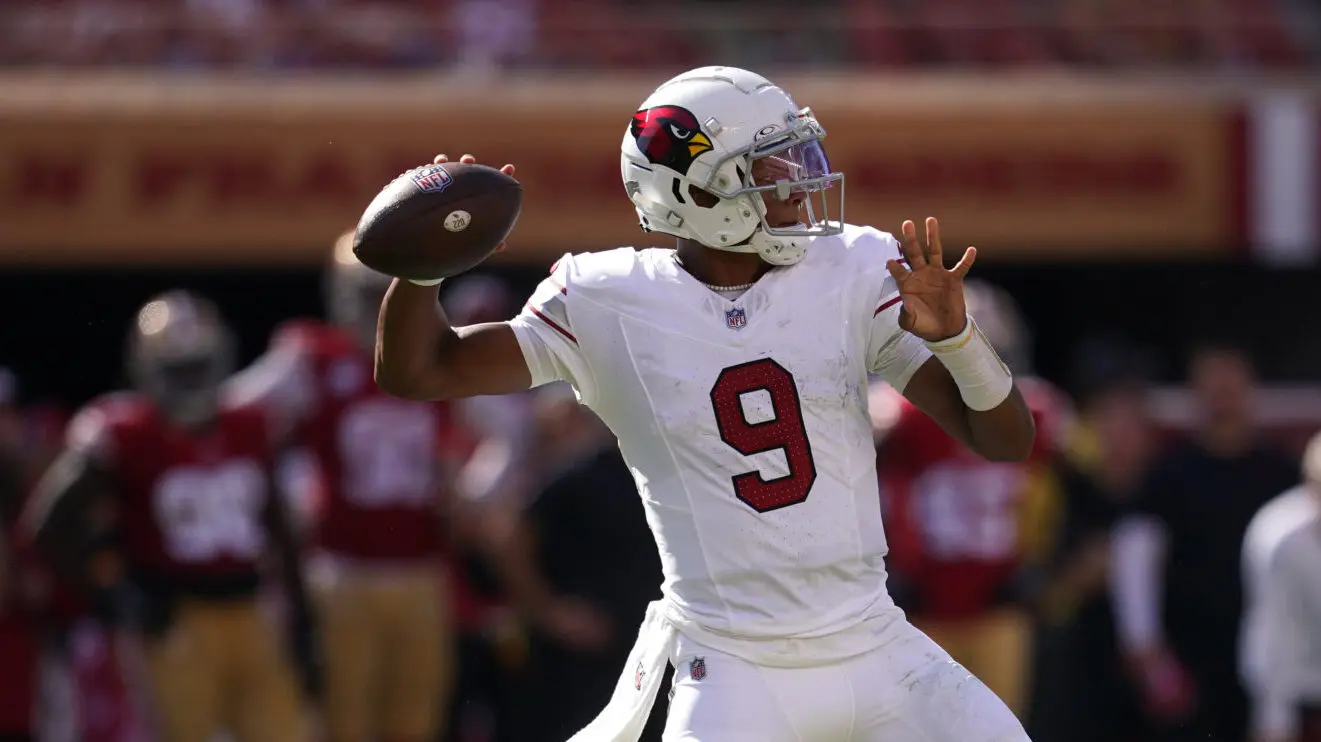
[[1000, 320], [704, 131]]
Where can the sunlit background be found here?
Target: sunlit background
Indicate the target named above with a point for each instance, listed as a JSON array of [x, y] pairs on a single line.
[[1142, 176]]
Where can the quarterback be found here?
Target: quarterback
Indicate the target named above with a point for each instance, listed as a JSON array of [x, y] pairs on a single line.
[[733, 370]]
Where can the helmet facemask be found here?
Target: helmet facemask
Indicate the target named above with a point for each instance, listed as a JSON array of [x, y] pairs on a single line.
[[784, 164]]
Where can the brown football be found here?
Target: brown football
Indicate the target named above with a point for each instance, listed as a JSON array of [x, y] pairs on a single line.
[[438, 221]]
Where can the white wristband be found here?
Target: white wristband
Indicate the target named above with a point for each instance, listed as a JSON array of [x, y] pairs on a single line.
[[417, 282], [984, 380]]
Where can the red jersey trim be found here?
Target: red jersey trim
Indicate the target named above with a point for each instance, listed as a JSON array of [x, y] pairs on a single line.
[[554, 326], [886, 305]]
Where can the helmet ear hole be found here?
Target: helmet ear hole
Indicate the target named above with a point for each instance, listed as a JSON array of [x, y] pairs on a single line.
[[702, 198]]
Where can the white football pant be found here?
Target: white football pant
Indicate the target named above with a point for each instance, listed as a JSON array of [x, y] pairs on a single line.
[[907, 690]]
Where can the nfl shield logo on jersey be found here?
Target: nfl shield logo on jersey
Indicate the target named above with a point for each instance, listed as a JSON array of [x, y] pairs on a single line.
[[637, 677], [697, 668], [736, 318]]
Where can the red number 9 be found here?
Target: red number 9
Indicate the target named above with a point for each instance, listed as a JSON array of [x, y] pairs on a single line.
[[785, 432]]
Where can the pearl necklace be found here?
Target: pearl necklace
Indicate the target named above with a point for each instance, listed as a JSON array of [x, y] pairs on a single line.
[[740, 287]]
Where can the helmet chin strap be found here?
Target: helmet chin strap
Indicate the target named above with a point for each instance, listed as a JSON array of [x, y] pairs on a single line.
[[774, 250]]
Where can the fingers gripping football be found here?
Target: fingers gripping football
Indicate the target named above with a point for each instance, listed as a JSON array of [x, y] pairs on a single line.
[[439, 220]]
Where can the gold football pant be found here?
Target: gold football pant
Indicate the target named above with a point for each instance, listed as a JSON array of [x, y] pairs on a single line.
[[994, 647], [221, 666], [387, 638]]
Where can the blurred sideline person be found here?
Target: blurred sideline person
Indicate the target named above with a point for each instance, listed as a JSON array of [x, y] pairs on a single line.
[[1175, 556], [968, 536], [15, 463], [1280, 654], [500, 467], [581, 567], [496, 483], [19, 648], [63, 671], [186, 484], [1080, 693], [385, 466]]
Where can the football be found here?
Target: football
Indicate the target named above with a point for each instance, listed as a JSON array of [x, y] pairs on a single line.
[[437, 221]]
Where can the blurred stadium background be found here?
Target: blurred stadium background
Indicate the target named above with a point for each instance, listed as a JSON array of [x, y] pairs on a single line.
[[1142, 176]]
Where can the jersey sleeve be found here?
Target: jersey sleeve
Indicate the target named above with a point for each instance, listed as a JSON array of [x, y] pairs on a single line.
[[281, 384], [546, 334], [1286, 629], [1054, 415], [91, 433], [892, 353]]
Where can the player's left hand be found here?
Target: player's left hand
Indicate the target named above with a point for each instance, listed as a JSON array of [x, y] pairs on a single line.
[[933, 306]]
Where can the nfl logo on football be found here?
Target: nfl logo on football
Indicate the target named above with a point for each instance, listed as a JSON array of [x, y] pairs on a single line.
[[736, 318], [432, 179]]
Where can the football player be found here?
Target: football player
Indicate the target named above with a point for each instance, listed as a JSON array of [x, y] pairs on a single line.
[[966, 534], [189, 484], [376, 572], [733, 370]]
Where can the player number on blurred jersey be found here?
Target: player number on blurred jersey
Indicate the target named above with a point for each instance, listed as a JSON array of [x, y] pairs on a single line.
[[206, 513], [970, 512], [389, 452]]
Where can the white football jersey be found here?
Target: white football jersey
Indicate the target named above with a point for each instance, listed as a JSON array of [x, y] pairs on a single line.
[[744, 421]]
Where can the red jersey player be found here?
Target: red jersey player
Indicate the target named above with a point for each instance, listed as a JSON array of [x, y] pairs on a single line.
[[193, 510], [381, 460], [963, 531]]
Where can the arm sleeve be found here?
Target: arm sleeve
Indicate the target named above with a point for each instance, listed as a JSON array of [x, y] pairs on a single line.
[[546, 335], [1284, 645], [1139, 544], [892, 353], [91, 434], [1137, 552], [282, 383], [1254, 564]]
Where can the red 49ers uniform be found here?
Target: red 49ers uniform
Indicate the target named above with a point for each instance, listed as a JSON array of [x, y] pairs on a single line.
[[960, 529], [380, 462], [190, 517], [378, 455]]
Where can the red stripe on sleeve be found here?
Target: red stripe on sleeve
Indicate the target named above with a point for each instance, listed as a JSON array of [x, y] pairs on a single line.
[[883, 306], [553, 325]]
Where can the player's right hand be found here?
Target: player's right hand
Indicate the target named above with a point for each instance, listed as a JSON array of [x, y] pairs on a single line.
[[1166, 687], [576, 624], [507, 170]]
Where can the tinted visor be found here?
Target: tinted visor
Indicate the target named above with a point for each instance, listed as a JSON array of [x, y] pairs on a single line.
[[798, 168], [800, 171]]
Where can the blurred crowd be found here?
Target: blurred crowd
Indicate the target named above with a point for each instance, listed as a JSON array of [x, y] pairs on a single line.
[[474, 571], [484, 36]]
